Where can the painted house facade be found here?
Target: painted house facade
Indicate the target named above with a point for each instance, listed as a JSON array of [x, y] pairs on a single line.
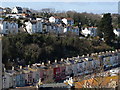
[[26, 72], [7, 27], [34, 26], [75, 30], [59, 70], [117, 32], [71, 29], [55, 19], [80, 67], [1, 11], [34, 75], [68, 21], [56, 71], [68, 70], [92, 31], [9, 79], [17, 10], [62, 72], [20, 78], [48, 75]]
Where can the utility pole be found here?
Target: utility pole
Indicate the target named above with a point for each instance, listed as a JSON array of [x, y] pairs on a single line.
[[0, 62]]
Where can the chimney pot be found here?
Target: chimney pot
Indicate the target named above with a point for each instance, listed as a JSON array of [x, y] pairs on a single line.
[[20, 67], [55, 61], [13, 68], [42, 63], [61, 60], [48, 62], [28, 66]]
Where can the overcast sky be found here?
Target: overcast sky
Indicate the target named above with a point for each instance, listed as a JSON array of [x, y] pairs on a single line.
[[60, 0], [95, 6]]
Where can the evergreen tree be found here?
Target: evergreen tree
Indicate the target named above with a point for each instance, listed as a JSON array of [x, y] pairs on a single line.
[[105, 29]]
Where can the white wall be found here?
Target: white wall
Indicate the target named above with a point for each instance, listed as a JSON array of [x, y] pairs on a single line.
[[116, 32], [6, 81], [34, 28], [8, 27], [1, 27], [39, 26], [14, 10], [29, 27], [52, 19], [13, 28], [65, 21], [85, 32]]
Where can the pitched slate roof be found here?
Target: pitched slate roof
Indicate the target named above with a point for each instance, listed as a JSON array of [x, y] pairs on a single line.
[[19, 8], [96, 82], [33, 21], [56, 17]]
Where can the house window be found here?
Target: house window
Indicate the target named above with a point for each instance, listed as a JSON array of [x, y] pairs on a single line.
[[52, 27], [31, 30], [6, 26], [7, 31], [13, 26]]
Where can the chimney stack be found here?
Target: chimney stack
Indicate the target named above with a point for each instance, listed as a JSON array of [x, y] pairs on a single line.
[[28, 66], [43, 63], [67, 59], [55, 61], [106, 51], [4, 69], [83, 55], [48, 62], [61, 60], [113, 51], [88, 55], [13, 68], [116, 50], [20, 67]]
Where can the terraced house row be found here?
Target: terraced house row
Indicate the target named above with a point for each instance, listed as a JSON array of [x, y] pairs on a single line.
[[52, 24], [58, 71], [38, 25]]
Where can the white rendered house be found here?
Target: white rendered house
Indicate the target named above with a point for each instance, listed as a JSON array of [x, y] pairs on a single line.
[[117, 32], [68, 21], [17, 10], [85, 32], [9, 79], [54, 19], [92, 31], [33, 26]]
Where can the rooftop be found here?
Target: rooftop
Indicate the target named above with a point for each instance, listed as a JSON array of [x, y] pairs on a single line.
[[19, 8], [96, 82]]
